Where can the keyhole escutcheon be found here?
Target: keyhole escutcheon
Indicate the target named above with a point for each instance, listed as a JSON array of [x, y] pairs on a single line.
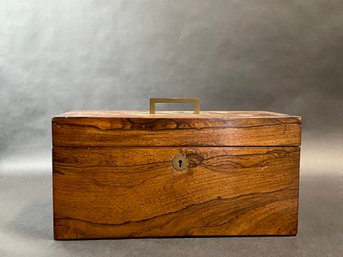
[[179, 162]]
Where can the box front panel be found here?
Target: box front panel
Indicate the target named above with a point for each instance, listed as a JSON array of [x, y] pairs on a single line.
[[140, 192], [176, 132]]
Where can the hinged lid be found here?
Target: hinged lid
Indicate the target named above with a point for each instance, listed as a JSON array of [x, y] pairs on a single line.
[[208, 128]]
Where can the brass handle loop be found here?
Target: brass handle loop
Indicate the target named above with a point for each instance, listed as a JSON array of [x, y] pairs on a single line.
[[194, 101]]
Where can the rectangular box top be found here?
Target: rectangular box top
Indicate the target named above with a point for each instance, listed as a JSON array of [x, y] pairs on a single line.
[[174, 128], [173, 114]]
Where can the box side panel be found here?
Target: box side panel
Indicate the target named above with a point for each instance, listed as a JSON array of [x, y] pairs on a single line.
[[136, 192]]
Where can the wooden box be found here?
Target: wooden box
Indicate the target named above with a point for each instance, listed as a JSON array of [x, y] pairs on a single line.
[[121, 174]]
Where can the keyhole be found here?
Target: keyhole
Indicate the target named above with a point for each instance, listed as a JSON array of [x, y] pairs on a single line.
[[179, 162]]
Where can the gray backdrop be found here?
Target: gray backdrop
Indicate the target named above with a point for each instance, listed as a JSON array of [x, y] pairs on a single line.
[[56, 56]]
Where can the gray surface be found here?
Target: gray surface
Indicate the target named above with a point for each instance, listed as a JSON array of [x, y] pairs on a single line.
[[56, 56], [26, 222]]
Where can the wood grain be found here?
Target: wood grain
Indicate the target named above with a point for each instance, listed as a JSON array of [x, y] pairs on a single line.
[[133, 128], [171, 114], [111, 192]]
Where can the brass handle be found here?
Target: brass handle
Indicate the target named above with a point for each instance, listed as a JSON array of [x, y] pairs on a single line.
[[194, 101]]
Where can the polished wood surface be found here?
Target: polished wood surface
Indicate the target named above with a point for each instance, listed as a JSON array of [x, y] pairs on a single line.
[[172, 114], [112, 192], [137, 128]]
